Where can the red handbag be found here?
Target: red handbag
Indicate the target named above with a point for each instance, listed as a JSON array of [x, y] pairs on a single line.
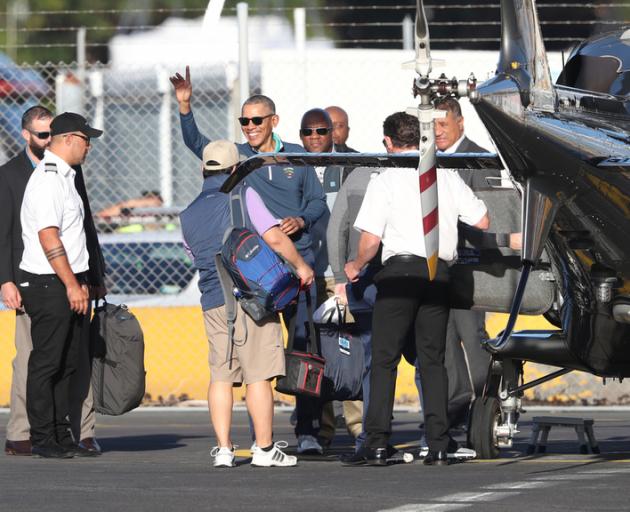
[[304, 373]]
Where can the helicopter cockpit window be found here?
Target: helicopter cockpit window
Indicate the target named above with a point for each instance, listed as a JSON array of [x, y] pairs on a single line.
[[597, 74]]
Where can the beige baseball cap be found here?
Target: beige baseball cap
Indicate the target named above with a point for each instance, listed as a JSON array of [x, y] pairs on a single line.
[[219, 155]]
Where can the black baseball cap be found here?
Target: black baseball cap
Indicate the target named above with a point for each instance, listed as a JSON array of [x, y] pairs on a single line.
[[71, 122]]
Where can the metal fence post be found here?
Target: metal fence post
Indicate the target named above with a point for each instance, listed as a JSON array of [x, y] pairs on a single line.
[[81, 59], [301, 72], [97, 92], [299, 24], [407, 33], [243, 53], [166, 151]]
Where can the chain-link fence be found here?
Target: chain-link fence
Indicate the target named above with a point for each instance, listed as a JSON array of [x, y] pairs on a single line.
[[140, 175]]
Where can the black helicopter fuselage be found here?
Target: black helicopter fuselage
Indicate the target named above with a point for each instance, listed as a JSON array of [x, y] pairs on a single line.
[[577, 149]]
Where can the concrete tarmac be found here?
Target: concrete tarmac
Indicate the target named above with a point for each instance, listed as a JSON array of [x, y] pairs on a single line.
[[158, 460]]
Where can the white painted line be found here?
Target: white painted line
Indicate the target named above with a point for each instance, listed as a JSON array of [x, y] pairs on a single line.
[[476, 496], [603, 471], [427, 507], [560, 408], [542, 408], [563, 477], [536, 484]]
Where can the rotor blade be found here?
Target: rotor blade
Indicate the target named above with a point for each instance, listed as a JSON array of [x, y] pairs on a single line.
[[475, 161], [427, 174], [423, 51]]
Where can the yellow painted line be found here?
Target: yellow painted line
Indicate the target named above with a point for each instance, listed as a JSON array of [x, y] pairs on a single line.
[[242, 453], [549, 461]]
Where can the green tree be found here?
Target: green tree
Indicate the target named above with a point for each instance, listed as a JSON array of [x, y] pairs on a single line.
[[48, 30]]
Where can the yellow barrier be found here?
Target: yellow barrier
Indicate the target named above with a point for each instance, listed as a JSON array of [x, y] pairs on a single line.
[[177, 353]]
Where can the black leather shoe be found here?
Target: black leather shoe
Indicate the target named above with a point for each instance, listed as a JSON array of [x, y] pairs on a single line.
[[90, 444], [22, 448], [79, 451], [51, 451], [436, 459], [369, 456]]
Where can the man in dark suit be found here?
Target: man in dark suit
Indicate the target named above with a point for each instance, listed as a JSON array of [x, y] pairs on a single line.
[[317, 136], [341, 129], [466, 361], [14, 176], [335, 175]]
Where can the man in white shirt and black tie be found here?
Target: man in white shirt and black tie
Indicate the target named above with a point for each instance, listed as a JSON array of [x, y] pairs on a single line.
[[406, 298]]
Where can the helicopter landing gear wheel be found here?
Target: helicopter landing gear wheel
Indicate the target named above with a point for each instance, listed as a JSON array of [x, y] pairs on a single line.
[[485, 417]]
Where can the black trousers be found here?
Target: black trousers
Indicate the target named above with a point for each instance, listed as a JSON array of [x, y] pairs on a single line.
[[466, 361], [406, 300], [57, 332]]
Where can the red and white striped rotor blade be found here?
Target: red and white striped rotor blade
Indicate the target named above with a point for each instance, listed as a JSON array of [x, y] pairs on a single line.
[[429, 200]]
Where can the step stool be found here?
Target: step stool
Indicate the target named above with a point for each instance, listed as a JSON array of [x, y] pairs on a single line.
[[544, 423]]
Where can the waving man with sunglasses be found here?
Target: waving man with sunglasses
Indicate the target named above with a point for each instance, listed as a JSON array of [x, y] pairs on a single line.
[[293, 195]]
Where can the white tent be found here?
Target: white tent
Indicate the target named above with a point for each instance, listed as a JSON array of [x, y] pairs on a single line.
[[180, 41]]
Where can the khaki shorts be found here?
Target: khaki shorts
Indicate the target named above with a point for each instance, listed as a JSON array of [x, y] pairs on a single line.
[[257, 357]]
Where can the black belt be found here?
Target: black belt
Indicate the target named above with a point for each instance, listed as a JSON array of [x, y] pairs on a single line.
[[81, 276], [405, 258]]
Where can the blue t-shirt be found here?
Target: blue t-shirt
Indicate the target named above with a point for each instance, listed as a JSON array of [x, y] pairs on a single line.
[[286, 191]]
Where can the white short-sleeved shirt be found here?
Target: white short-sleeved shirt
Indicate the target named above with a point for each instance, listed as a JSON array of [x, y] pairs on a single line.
[[51, 200], [391, 210]]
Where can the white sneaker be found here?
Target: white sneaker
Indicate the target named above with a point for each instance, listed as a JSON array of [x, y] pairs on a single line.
[[461, 453], [253, 448], [309, 445], [424, 447], [274, 457], [223, 457]]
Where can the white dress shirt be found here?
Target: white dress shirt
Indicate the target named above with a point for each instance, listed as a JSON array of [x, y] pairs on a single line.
[[51, 200], [391, 210], [450, 150]]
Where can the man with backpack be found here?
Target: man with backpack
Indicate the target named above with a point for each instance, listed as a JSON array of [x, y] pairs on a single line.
[[256, 355], [293, 195]]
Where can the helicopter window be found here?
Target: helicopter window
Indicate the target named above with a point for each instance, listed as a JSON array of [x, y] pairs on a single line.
[[597, 74]]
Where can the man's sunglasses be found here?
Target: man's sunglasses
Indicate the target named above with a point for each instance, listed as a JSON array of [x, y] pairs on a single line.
[[307, 132], [40, 135], [257, 120], [86, 139]]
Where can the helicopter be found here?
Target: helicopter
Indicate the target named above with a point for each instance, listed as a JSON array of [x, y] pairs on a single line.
[[566, 148]]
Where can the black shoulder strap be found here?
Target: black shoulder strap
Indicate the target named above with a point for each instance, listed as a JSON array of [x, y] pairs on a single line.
[[238, 208], [231, 307], [237, 205], [238, 218], [238, 211], [312, 345]]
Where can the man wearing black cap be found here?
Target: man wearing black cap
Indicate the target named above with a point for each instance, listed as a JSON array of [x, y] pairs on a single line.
[[14, 176], [53, 284]]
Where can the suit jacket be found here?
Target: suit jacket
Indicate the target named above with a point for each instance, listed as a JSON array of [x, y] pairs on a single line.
[[335, 175], [476, 179], [14, 176]]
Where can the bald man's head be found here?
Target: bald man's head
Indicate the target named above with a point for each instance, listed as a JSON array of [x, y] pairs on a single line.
[[316, 131], [341, 129]]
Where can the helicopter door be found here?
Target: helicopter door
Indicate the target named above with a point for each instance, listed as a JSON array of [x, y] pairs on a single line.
[[485, 276]]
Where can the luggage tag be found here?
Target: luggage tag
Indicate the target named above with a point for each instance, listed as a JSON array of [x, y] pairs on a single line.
[[344, 345]]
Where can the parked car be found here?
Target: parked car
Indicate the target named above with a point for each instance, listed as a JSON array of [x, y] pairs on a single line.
[[20, 89], [149, 268]]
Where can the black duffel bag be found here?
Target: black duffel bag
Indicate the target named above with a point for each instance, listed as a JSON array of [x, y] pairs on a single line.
[[342, 348], [117, 351], [304, 374]]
